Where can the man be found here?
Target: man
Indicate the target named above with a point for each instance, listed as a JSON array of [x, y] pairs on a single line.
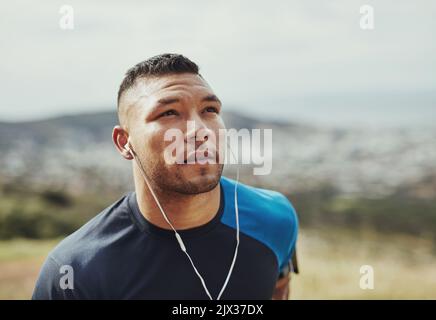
[[130, 251]]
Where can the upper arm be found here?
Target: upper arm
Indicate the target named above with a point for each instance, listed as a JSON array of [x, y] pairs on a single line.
[[290, 263], [281, 290], [56, 282], [290, 235], [46, 287]]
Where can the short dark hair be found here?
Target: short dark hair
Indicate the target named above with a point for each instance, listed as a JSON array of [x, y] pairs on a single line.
[[160, 65]]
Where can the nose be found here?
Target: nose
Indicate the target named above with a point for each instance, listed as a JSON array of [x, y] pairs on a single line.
[[197, 131]]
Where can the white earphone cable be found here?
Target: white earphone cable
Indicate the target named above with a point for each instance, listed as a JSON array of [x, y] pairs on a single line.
[[177, 235]]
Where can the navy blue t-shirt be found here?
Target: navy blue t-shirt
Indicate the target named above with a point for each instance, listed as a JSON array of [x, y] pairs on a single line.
[[120, 255]]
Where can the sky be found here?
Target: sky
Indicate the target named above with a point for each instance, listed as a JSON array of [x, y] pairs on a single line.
[[307, 59]]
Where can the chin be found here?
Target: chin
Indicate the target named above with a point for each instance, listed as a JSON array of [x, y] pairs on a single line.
[[202, 178]]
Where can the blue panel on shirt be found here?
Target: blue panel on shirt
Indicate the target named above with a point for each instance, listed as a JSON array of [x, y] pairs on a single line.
[[265, 215]]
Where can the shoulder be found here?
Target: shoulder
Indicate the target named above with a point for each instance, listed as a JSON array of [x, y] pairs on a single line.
[[268, 206], [265, 215], [84, 251], [95, 235]]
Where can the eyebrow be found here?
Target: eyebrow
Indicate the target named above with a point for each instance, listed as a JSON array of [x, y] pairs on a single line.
[[211, 98], [165, 101]]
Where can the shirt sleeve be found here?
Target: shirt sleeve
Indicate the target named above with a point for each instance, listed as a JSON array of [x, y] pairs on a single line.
[[291, 266], [48, 286], [290, 263]]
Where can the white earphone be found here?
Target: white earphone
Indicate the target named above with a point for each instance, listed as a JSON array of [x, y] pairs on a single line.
[[179, 238]]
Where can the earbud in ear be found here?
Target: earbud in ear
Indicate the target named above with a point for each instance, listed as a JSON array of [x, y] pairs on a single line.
[[128, 149]]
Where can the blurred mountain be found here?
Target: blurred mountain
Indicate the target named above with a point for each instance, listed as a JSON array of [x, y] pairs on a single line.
[[76, 152], [95, 127]]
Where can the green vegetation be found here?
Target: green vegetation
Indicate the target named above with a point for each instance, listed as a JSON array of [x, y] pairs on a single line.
[[394, 234], [42, 214], [35, 214], [394, 214]]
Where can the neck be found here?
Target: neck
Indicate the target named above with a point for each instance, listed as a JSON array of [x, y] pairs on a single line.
[[183, 211]]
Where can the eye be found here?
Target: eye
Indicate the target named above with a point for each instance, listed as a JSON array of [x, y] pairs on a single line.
[[211, 109], [168, 113]]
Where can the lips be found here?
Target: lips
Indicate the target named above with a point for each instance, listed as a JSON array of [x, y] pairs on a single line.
[[201, 155]]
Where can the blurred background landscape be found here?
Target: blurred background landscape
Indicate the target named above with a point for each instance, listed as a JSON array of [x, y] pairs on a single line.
[[352, 113], [361, 201]]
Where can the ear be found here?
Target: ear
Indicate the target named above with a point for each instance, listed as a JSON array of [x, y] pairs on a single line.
[[120, 138]]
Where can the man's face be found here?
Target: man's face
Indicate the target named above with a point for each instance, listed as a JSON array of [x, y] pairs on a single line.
[[155, 105]]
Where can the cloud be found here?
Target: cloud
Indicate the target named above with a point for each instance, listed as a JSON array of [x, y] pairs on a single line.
[[250, 51]]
